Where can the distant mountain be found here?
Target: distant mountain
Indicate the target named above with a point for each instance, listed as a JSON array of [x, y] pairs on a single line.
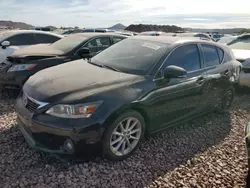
[[144, 27], [118, 26], [15, 25], [223, 31]]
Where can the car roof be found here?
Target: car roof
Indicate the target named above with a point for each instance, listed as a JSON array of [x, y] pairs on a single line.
[[178, 40], [96, 34], [168, 39], [13, 32]]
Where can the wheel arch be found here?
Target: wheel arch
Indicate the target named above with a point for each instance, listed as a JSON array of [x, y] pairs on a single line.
[[123, 109]]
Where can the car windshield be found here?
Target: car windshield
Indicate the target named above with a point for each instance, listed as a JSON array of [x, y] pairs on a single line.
[[226, 40], [68, 43], [132, 55], [4, 35], [240, 44]]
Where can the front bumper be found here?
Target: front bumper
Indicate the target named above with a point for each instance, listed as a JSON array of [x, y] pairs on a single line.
[[13, 79], [47, 133], [244, 79]]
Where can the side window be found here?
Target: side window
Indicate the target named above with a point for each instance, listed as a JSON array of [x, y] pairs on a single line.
[[204, 36], [41, 38], [117, 39], [186, 56], [221, 54], [98, 44], [211, 57], [22, 39]]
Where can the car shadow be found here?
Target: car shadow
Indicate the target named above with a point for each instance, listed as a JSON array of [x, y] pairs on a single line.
[[157, 155]]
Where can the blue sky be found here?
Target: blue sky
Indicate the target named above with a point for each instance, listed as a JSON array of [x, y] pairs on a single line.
[[105, 13]]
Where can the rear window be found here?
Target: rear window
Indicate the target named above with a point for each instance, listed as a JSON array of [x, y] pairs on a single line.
[[220, 53]]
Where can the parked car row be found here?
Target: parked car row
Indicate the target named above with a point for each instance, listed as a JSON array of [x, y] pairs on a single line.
[[23, 63], [113, 90]]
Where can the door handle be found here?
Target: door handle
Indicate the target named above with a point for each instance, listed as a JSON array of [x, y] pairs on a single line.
[[226, 73], [200, 80]]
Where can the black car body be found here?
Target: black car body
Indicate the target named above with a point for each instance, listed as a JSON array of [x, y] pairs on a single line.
[[147, 83], [27, 61]]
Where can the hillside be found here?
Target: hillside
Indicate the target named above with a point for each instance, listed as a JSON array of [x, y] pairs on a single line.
[[118, 26], [144, 27], [224, 31], [15, 25]]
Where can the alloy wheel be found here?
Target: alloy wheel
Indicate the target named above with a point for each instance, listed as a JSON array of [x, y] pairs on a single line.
[[125, 136]]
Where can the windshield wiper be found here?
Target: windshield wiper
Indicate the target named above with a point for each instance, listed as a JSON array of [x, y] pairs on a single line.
[[104, 66], [89, 61], [110, 67]]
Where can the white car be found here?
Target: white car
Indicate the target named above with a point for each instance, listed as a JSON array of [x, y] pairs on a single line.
[[14, 39], [241, 50]]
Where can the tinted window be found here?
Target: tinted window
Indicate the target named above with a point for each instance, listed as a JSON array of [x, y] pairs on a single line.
[[98, 44], [22, 39], [42, 38], [221, 54], [100, 31], [117, 39], [186, 56], [77, 31], [89, 30], [211, 56], [132, 56], [204, 36]]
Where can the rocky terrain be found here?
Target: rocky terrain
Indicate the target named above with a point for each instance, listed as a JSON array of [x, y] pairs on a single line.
[[144, 27], [206, 152]]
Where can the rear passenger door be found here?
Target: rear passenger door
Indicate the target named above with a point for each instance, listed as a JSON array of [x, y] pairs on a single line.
[[217, 73], [43, 39]]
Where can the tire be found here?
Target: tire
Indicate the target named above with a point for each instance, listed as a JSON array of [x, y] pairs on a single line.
[[226, 100], [122, 139]]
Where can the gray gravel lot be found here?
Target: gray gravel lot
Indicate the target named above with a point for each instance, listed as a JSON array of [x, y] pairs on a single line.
[[206, 152]]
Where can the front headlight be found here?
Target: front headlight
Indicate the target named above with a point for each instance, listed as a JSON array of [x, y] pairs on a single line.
[[74, 111], [21, 67]]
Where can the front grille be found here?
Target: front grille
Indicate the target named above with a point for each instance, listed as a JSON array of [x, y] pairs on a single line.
[[31, 106], [30, 103]]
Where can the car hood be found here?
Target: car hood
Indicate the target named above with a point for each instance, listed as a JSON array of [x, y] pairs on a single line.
[[241, 55], [73, 81], [36, 50]]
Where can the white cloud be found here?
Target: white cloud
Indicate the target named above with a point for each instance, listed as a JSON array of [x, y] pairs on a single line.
[[104, 13]]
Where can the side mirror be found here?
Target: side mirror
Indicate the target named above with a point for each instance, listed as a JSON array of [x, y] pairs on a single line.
[[5, 44], [84, 52], [174, 72]]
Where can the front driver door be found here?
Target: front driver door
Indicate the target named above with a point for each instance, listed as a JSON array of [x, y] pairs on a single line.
[[178, 99]]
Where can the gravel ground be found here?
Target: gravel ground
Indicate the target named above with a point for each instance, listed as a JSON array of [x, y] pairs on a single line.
[[206, 152]]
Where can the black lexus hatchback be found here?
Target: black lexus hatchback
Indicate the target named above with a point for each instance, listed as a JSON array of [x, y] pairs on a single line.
[[25, 62], [138, 86]]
